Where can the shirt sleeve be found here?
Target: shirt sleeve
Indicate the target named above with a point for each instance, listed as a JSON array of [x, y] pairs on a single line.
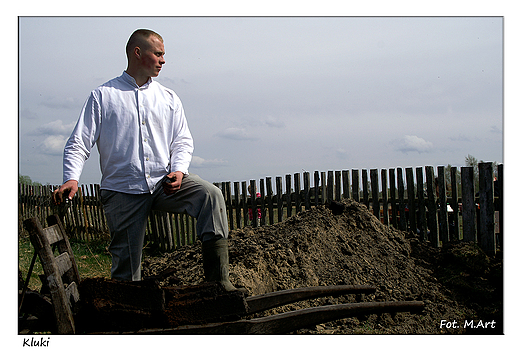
[[181, 148], [83, 137]]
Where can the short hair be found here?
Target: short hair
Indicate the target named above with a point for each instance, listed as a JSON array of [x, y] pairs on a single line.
[[138, 38]]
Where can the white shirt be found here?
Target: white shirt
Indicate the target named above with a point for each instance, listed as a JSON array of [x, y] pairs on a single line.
[[141, 135]]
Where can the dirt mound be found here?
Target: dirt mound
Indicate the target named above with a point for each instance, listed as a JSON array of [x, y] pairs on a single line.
[[345, 244]]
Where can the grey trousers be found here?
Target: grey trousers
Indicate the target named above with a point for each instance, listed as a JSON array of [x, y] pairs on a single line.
[[127, 215]]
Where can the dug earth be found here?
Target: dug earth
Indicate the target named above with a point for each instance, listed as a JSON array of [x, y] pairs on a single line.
[[345, 244]]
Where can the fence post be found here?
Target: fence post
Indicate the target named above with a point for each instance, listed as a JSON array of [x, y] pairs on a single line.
[[262, 202], [279, 198], [269, 185], [374, 181], [323, 187], [393, 202], [337, 185], [330, 186], [468, 204], [403, 225], [244, 203], [410, 186], [421, 220], [384, 194], [443, 205], [487, 208], [297, 200], [316, 188], [236, 186], [455, 235], [346, 184], [433, 224], [288, 197], [355, 184], [500, 205], [366, 192], [307, 190]]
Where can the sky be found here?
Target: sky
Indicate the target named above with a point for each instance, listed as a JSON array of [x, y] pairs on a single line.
[[269, 96]]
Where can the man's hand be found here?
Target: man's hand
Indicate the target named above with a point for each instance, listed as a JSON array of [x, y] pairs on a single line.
[[69, 188], [173, 182]]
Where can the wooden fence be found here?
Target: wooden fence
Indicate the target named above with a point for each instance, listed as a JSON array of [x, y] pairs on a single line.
[[466, 208]]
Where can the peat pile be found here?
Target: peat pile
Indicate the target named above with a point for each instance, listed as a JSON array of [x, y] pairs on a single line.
[[345, 244]]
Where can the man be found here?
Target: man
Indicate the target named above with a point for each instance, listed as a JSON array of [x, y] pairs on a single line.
[[145, 149]]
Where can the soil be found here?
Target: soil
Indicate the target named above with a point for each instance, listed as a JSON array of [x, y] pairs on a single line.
[[345, 244]]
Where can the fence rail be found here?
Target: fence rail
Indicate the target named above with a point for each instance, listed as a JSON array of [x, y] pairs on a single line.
[[468, 207]]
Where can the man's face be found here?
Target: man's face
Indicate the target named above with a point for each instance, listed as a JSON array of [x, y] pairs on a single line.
[[152, 57]]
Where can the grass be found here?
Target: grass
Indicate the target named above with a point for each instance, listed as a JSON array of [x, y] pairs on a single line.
[[92, 259]]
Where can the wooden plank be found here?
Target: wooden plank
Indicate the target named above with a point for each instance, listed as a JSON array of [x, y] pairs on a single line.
[[443, 204], [403, 225], [245, 213], [279, 198], [366, 192], [316, 188], [269, 186], [262, 202], [330, 186], [393, 201], [290, 321], [345, 174], [337, 185], [307, 190], [454, 201], [229, 205], [384, 195], [274, 299], [421, 205], [355, 184], [468, 204], [499, 199], [323, 188], [254, 208], [374, 181], [410, 188], [63, 263], [297, 199], [53, 234], [288, 195], [238, 216], [72, 291], [431, 204], [487, 208]]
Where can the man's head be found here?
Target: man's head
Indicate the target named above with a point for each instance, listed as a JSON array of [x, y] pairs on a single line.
[[145, 53]]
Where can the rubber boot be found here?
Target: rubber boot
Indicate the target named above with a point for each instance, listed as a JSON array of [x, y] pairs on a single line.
[[216, 262]]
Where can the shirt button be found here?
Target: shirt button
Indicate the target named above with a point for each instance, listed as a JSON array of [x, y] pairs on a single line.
[[143, 123], [147, 159]]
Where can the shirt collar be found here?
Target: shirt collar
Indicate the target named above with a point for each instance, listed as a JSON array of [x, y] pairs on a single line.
[[129, 79]]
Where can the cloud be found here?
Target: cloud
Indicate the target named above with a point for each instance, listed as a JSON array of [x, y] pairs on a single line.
[[235, 134], [199, 162], [54, 128], [28, 114], [67, 103], [274, 123], [412, 143], [342, 154], [53, 145]]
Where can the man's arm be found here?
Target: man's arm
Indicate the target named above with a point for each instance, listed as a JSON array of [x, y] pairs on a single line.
[[77, 149]]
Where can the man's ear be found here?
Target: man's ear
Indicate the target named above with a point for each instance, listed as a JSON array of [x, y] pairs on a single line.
[[137, 52]]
